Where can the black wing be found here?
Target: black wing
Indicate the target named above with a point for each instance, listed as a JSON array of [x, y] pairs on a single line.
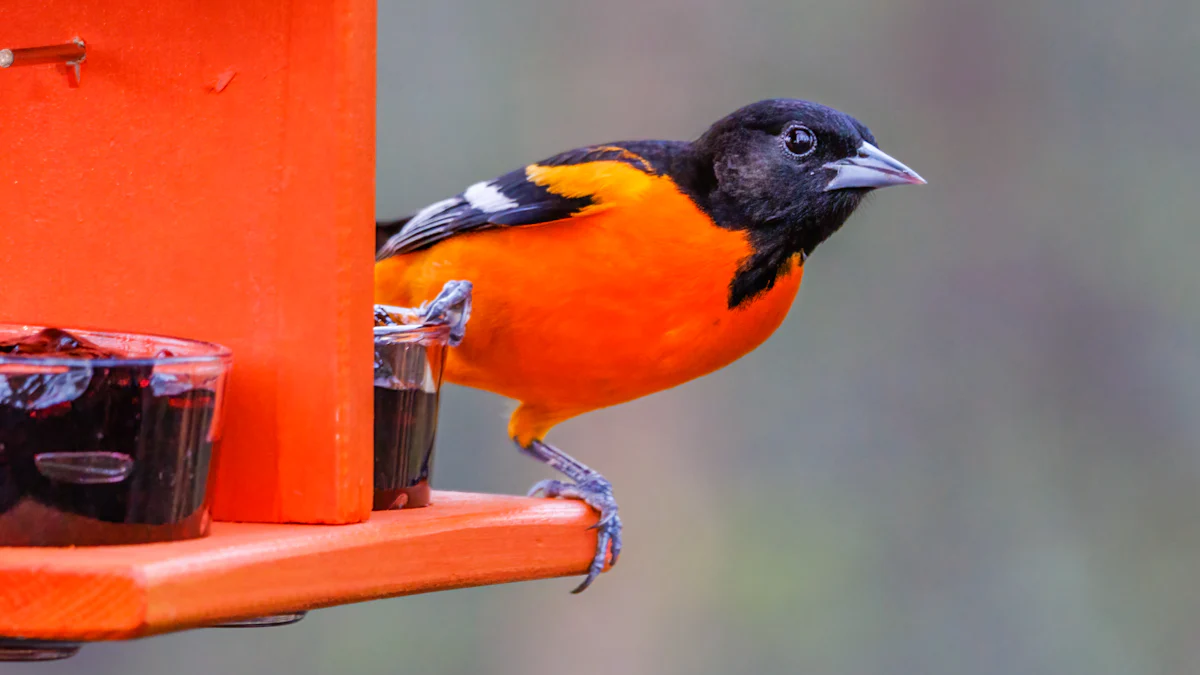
[[508, 201]]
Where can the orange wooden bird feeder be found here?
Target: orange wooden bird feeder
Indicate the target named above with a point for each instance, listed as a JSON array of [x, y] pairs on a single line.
[[207, 170]]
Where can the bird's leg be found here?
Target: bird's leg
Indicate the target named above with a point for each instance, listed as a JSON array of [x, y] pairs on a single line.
[[587, 485]]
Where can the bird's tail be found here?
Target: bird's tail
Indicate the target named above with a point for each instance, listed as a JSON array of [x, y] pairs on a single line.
[[385, 230]]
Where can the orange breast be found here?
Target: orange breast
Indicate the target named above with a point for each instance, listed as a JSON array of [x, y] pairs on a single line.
[[589, 312]]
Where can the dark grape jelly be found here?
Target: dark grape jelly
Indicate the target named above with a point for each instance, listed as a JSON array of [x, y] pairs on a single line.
[[408, 377], [105, 438]]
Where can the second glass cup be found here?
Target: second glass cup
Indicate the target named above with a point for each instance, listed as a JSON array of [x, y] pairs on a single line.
[[410, 356]]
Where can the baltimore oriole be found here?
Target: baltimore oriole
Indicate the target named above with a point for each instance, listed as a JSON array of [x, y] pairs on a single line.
[[614, 271]]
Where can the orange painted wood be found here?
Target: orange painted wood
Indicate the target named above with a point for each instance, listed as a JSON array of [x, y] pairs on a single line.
[[245, 569], [211, 177]]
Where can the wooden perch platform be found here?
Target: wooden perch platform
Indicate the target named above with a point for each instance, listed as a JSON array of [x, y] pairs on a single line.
[[245, 570]]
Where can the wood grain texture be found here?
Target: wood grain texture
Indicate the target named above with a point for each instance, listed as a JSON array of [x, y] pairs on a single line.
[[245, 569], [212, 177]]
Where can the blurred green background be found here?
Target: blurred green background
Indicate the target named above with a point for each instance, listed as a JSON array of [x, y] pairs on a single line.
[[972, 446]]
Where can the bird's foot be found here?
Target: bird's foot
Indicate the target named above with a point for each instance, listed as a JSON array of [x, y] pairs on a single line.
[[452, 306], [595, 491]]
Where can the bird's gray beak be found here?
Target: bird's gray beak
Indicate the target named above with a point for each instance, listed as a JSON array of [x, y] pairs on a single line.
[[870, 168]]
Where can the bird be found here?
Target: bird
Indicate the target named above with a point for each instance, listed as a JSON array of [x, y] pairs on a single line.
[[616, 270]]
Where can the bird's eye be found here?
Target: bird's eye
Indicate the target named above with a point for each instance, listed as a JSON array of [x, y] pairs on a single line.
[[799, 140]]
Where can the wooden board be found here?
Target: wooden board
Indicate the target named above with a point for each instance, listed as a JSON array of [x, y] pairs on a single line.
[[211, 177], [245, 570]]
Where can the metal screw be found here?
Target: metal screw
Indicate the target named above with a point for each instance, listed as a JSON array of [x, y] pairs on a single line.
[[70, 53]]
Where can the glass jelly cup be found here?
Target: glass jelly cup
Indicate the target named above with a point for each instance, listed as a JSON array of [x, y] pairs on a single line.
[[409, 360], [109, 450]]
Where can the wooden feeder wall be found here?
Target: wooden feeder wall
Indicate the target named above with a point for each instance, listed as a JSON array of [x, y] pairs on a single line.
[[163, 196]]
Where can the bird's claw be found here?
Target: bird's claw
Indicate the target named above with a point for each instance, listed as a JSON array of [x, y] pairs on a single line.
[[453, 307], [596, 492]]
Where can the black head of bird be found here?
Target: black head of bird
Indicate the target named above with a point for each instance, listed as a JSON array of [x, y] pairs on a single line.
[[789, 160], [790, 172]]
